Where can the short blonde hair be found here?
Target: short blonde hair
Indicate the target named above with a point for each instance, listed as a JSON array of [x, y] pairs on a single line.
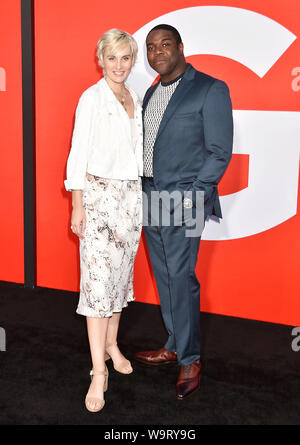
[[116, 38]]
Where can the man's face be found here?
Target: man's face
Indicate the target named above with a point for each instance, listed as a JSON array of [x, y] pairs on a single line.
[[163, 53]]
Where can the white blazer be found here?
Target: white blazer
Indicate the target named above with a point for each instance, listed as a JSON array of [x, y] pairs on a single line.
[[102, 138]]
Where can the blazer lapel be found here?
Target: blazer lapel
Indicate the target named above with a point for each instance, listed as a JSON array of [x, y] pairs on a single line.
[[148, 96], [184, 86]]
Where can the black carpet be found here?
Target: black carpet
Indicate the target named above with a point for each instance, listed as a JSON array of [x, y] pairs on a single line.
[[251, 376]]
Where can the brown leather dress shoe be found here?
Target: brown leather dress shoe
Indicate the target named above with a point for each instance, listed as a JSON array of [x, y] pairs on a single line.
[[155, 358], [188, 380]]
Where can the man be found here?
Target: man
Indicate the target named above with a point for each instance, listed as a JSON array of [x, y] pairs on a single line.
[[187, 147]]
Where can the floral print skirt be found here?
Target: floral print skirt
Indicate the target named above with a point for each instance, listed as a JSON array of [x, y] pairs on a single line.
[[113, 210]]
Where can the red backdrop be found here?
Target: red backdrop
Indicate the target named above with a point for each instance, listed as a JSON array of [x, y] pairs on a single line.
[[252, 277], [11, 168]]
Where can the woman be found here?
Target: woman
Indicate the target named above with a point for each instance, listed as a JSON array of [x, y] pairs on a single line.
[[103, 173]]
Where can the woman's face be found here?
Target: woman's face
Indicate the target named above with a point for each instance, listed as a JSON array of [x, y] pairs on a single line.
[[117, 63]]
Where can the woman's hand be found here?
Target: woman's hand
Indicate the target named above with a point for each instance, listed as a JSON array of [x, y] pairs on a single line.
[[78, 219]]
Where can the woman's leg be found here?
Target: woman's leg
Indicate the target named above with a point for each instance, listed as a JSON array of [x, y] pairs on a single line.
[[112, 348], [97, 331]]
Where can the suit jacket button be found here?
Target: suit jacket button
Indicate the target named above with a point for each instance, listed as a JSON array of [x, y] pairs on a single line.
[[187, 203]]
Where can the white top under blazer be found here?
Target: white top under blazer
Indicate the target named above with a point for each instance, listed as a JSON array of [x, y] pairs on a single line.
[[102, 138]]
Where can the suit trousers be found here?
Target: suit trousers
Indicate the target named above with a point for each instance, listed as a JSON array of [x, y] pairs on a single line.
[[173, 257]]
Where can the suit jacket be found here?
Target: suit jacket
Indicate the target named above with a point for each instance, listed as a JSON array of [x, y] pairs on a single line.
[[194, 142]]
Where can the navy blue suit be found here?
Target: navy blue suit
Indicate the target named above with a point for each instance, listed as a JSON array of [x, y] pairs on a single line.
[[192, 150]]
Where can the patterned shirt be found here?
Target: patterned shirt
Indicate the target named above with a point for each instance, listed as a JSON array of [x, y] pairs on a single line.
[[152, 118]]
